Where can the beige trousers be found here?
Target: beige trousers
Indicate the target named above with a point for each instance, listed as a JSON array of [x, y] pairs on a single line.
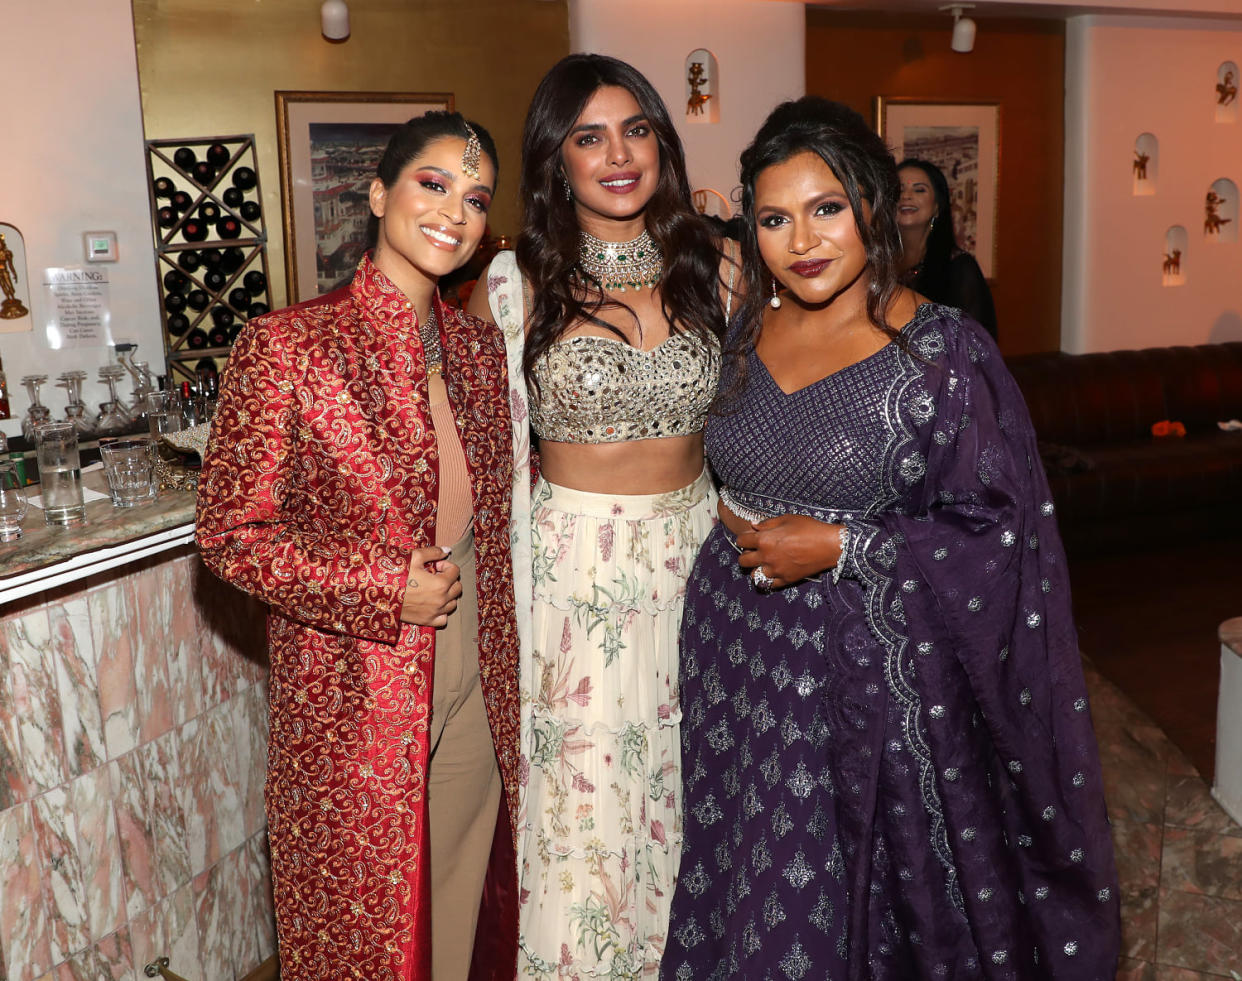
[[463, 782]]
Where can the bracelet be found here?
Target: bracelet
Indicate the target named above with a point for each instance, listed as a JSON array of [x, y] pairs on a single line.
[[845, 548]]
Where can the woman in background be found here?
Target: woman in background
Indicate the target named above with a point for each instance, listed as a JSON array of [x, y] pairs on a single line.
[[612, 306], [359, 471], [931, 261], [890, 771]]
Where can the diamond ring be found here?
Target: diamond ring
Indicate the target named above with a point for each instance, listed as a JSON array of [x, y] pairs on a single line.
[[761, 579]]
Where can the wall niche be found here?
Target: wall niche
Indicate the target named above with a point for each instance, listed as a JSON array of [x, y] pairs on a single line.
[[1174, 269], [1220, 212], [1146, 164], [1226, 94], [702, 75]]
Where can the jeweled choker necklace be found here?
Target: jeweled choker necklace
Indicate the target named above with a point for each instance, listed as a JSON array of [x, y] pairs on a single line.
[[621, 265]]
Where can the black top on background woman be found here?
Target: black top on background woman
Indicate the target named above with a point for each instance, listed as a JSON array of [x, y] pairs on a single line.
[[932, 263]]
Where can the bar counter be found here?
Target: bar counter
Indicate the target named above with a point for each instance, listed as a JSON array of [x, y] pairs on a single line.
[[45, 556], [133, 738]]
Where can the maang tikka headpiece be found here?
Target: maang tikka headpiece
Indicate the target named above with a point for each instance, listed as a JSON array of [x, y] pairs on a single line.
[[470, 156]]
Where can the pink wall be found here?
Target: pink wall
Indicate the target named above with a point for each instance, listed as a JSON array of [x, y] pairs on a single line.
[[132, 755], [1126, 76]]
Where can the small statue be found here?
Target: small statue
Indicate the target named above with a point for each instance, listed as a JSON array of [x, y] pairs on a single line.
[[1140, 165], [12, 307], [698, 98], [1173, 263], [1226, 91], [1212, 222]]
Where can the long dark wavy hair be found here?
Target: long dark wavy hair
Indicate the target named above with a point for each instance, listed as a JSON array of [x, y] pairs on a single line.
[[412, 138], [933, 274], [547, 246]]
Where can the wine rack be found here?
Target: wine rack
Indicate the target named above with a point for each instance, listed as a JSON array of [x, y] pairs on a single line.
[[210, 246]]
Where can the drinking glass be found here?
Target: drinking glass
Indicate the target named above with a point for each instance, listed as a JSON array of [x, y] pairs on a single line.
[[128, 467], [60, 474], [12, 502], [163, 413]]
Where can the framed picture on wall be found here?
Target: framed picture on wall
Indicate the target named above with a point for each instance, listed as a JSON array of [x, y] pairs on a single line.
[[963, 140], [330, 143]]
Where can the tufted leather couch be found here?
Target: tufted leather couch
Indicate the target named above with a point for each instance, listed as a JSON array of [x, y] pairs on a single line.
[[1115, 485]]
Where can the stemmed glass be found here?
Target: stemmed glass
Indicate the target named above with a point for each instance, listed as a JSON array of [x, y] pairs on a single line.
[[12, 502], [76, 411], [38, 413], [113, 417]]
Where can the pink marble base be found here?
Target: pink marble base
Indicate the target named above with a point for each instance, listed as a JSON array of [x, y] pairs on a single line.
[[132, 746]]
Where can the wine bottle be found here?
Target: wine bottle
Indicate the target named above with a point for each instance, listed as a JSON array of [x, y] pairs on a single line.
[[232, 259], [189, 260], [256, 310], [218, 155], [239, 298], [212, 257], [251, 211], [233, 332], [214, 280], [244, 178], [197, 338], [185, 158], [255, 281], [174, 302], [222, 316], [194, 230], [204, 173], [181, 200], [197, 299], [164, 187], [218, 337], [209, 211], [175, 282], [228, 227], [233, 197], [178, 324], [166, 217]]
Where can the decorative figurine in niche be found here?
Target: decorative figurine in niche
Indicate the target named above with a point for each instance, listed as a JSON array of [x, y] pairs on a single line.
[[1140, 165], [698, 98], [1226, 91], [1173, 263], [1212, 222], [11, 308]]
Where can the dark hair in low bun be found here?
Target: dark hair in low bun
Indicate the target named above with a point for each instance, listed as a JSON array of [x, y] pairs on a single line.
[[413, 137]]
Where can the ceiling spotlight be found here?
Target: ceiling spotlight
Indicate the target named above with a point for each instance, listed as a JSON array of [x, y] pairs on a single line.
[[334, 16], [963, 27]]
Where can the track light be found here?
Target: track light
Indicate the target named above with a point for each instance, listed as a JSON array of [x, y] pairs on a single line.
[[963, 27], [334, 16]]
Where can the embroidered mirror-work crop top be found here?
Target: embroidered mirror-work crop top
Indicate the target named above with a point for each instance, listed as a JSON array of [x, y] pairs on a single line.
[[602, 390]]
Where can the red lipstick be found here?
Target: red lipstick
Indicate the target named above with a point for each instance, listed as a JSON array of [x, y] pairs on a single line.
[[809, 268]]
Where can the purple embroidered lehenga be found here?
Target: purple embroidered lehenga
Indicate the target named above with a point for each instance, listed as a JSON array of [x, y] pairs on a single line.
[[895, 776]]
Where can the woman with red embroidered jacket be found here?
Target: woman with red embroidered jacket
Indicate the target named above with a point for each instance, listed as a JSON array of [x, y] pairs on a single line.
[[358, 482]]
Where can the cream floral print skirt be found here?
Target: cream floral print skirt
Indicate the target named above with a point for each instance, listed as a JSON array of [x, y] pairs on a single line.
[[602, 835]]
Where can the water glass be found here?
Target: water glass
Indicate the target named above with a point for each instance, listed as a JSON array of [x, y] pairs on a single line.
[[163, 413], [128, 465], [12, 502], [60, 473]]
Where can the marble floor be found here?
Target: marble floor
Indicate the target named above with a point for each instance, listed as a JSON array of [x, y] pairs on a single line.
[[1179, 855]]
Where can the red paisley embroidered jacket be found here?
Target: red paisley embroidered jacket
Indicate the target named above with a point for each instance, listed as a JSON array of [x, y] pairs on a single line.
[[320, 478]]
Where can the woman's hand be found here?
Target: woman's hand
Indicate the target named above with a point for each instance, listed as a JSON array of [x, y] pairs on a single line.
[[789, 547], [433, 587]]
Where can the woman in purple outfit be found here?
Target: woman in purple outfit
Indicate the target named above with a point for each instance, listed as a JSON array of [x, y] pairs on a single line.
[[890, 769]]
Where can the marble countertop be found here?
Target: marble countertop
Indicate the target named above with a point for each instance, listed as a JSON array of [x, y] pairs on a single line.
[[50, 556]]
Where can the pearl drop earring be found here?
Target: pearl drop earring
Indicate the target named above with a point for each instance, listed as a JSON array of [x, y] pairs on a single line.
[[775, 302]]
